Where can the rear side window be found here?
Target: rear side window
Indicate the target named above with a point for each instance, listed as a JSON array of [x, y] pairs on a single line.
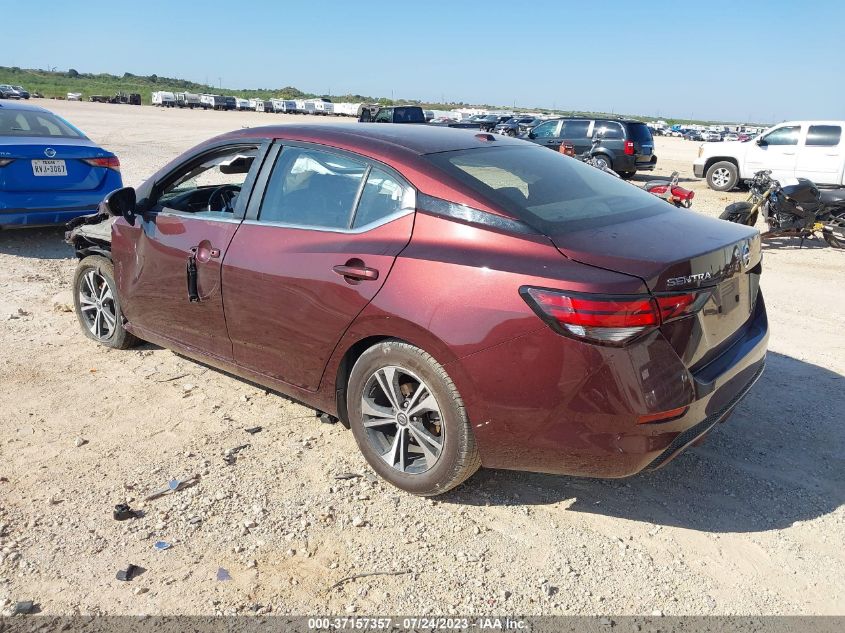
[[575, 129], [548, 191], [382, 196], [824, 135], [787, 135], [312, 188], [610, 130], [639, 133]]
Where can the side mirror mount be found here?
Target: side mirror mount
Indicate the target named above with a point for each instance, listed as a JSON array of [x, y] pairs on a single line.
[[531, 134], [121, 203], [759, 140]]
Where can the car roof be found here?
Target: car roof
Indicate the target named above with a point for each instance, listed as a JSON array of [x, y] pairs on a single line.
[[383, 138], [21, 106]]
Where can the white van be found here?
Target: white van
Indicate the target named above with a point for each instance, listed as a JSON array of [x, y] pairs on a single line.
[[795, 149], [164, 99]]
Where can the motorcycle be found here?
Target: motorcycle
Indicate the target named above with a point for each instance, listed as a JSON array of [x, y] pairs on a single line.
[[670, 191], [667, 190], [589, 157], [798, 208]]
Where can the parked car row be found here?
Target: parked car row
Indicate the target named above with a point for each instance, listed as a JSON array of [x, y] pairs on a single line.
[[625, 146], [8, 91]]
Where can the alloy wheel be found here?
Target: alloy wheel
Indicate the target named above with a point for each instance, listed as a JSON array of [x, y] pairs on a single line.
[[96, 303], [720, 177], [402, 420]]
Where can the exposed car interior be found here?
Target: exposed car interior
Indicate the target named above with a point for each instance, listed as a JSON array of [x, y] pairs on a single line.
[[211, 186]]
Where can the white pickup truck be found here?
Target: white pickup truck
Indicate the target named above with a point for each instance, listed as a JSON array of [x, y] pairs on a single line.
[[795, 149]]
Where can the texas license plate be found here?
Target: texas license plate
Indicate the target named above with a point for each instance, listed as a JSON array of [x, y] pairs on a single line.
[[49, 168]]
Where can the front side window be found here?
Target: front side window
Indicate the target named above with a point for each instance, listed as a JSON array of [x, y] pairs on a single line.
[[210, 186], [546, 130], [824, 135], [787, 135], [384, 116], [312, 188]]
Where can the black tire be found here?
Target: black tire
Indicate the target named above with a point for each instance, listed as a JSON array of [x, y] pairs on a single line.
[[738, 213], [627, 175], [599, 158], [722, 176], [834, 232], [832, 240], [92, 274], [458, 456]]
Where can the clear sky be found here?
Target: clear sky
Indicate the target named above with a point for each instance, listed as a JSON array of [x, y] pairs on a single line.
[[740, 60]]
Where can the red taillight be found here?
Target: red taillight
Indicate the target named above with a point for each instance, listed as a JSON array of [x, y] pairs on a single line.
[[611, 320], [629, 148], [110, 162]]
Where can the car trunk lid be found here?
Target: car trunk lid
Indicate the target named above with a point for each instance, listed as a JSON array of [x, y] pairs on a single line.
[[681, 252], [39, 164]]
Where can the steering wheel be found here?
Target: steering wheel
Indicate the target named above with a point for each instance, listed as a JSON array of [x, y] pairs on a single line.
[[227, 195]]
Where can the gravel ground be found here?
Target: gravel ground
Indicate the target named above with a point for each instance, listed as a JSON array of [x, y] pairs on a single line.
[[751, 522]]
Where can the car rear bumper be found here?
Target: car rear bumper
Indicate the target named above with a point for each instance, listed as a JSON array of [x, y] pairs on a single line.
[[20, 218], [550, 404], [45, 208], [624, 162]]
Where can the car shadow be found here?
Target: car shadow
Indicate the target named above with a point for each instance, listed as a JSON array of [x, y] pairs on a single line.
[[41, 243], [793, 243], [646, 176], [777, 460]]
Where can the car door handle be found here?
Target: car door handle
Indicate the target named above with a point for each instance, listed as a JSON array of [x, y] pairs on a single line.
[[205, 251], [360, 273]]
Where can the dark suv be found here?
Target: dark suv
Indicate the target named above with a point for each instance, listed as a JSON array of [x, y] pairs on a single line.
[[627, 146]]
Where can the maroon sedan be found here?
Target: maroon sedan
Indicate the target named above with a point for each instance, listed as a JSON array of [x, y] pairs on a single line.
[[456, 299]]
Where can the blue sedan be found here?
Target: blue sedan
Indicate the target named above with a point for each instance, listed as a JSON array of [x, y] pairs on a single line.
[[50, 172]]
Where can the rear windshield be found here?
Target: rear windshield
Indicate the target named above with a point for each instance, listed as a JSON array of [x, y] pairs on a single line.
[[547, 190], [408, 115], [639, 133], [35, 123]]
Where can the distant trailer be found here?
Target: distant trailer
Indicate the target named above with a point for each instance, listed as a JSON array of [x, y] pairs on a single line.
[[287, 106], [264, 106], [242, 104], [323, 106], [215, 102], [306, 106], [346, 109], [163, 99], [188, 100]]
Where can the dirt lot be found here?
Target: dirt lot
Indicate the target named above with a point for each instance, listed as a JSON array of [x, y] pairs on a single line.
[[752, 522]]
